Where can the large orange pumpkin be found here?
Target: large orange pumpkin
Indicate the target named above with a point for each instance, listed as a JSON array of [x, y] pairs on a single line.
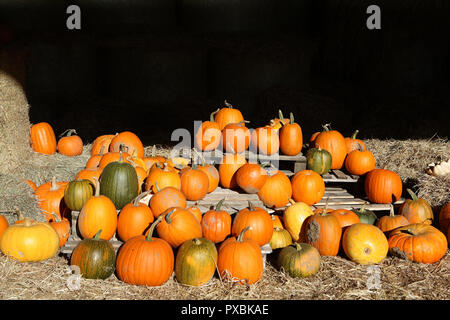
[[71, 144], [258, 219], [166, 198], [131, 142], [251, 177], [51, 198], [227, 115], [228, 167], [43, 139], [216, 224], [162, 176], [332, 141], [276, 191], [291, 137], [307, 186], [416, 210], [418, 242], [383, 186], [194, 183], [134, 219]]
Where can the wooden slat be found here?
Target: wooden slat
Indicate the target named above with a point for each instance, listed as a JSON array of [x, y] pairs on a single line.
[[340, 174]]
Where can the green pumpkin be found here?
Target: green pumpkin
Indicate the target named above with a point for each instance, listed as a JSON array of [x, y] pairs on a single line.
[[366, 216], [196, 261], [119, 182], [299, 260], [77, 192], [95, 257], [318, 160]]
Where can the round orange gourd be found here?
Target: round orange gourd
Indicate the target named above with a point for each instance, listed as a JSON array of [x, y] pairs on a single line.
[[235, 137], [291, 137], [345, 217], [70, 145], [307, 186], [131, 142], [216, 224], [416, 210], [194, 183], [207, 137], [265, 140], [332, 141], [251, 177], [164, 176], [359, 162], [276, 191], [383, 186], [258, 219], [391, 221], [227, 115], [134, 219], [166, 198], [109, 157], [62, 227], [228, 167]]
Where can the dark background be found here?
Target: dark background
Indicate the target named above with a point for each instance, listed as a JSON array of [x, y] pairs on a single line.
[[151, 66]]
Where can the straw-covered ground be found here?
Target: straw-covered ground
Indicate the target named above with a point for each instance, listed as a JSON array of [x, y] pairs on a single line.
[[338, 278]]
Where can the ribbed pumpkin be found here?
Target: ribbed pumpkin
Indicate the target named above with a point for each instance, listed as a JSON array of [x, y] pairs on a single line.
[[98, 213], [164, 176], [294, 216], [62, 227], [251, 177], [227, 115], [307, 186], [365, 216], [277, 190], [145, 261], [109, 157], [207, 137], [332, 141], [364, 243], [94, 160], [299, 260], [119, 182], [30, 241], [354, 144], [43, 139], [280, 238], [101, 142], [318, 160], [178, 226], [95, 257], [134, 218], [89, 174], [131, 142], [291, 137], [196, 212], [228, 167], [418, 242], [323, 231], [71, 144], [196, 262], [416, 210], [194, 183], [235, 137], [391, 221], [383, 186], [265, 140], [258, 219], [166, 198], [77, 192], [241, 259], [345, 217], [444, 217], [359, 162], [216, 224], [50, 197]]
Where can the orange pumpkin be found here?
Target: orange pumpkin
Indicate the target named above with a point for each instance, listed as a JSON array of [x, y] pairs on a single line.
[[207, 137], [276, 221], [109, 157], [166, 198], [418, 242], [163, 176], [359, 162], [196, 212], [62, 228], [213, 175], [194, 183], [94, 160], [134, 219], [216, 224], [152, 159], [265, 140], [240, 259], [235, 137], [177, 226], [3, 224], [444, 217], [51, 198], [354, 144], [391, 221], [383, 186], [291, 137], [332, 141], [101, 142], [416, 210], [43, 139], [70, 145], [307, 186], [89, 174], [312, 139], [276, 191], [228, 167], [258, 219], [132, 143], [227, 115], [251, 177], [345, 217]]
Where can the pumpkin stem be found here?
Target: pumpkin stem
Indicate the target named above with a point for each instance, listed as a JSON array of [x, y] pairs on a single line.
[[250, 206], [391, 212], [326, 127], [152, 228], [19, 215], [324, 209], [97, 187], [241, 235], [412, 194], [168, 216], [140, 197], [298, 246], [219, 204], [102, 150], [280, 116], [291, 201], [54, 184], [227, 104], [68, 133], [354, 134], [213, 114], [291, 118], [97, 235], [56, 217], [157, 187], [196, 241]]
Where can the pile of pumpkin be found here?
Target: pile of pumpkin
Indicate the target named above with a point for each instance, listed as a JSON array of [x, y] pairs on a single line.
[[121, 192]]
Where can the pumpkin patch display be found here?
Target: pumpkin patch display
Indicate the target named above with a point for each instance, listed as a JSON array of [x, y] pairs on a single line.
[[383, 186], [291, 137], [332, 141], [416, 210], [276, 191], [95, 257], [71, 144], [418, 242], [308, 187], [318, 160], [43, 139], [30, 241], [241, 259], [196, 261], [216, 223], [145, 261], [299, 260], [365, 243], [258, 219]]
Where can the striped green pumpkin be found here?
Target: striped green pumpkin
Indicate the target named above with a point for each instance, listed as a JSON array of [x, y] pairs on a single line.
[[95, 257], [77, 192], [119, 182], [318, 160], [196, 260]]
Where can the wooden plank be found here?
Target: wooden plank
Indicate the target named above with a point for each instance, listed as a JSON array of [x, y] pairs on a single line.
[[340, 174]]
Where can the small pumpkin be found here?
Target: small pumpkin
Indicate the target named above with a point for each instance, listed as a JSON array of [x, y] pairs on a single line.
[[131, 142], [211, 172], [280, 238], [164, 176], [62, 227], [101, 142], [145, 261], [43, 139], [241, 259], [359, 162], [50, 197], [166, 198], [152, 159], [216, 223], [332, 141], [383, 186], [354, 144], [207, 137], [235, 137], [134, 218], [365, 216], [251, 177], [300, 260], [196, 262], [294, 216], [416, 210], [277, 190], [196, 212], [291, 137], [227, 115], [418, 242], [258, 219], [77, 192], [228, 167], [70, 145], [95, 257], [345, 217], [194, 183], [364, 243], [265, 140], [307, 186], [391, 221], [318, 160]]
